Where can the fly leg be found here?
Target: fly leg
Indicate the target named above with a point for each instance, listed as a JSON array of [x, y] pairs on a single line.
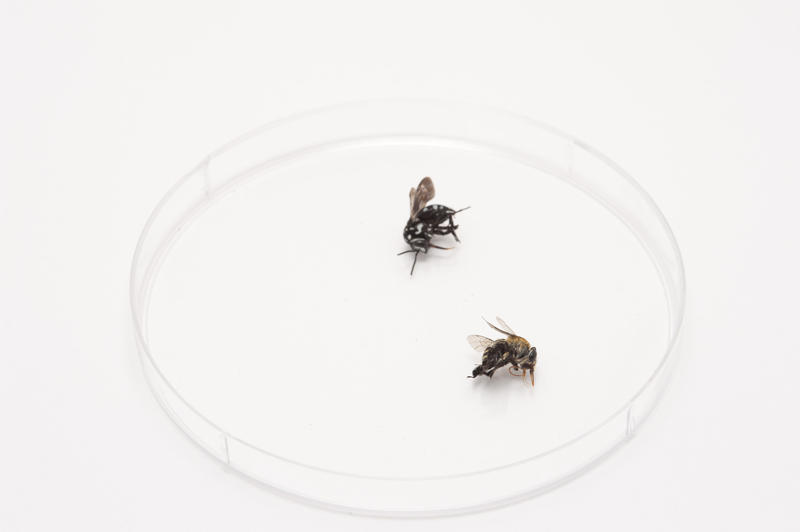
[[449, 229], [453, 228]]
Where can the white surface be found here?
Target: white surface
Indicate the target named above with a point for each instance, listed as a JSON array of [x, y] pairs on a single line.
[[103, 107]]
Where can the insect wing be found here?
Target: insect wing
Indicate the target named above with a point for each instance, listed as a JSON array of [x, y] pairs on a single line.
[[498, 329], [504, 325], [421, 195], [479, 343]]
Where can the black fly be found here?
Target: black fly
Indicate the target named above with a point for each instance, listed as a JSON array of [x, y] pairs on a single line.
[[426, 221]]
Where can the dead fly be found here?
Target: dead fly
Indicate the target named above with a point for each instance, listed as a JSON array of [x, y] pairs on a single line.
[[426, 221], [513, 351]]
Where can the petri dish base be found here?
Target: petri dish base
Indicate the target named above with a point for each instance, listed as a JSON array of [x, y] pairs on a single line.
[[281, 331]]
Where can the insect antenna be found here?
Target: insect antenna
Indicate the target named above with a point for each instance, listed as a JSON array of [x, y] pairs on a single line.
[[464, 209], [415, 262]]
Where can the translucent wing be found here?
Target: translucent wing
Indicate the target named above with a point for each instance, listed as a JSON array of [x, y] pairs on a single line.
[[421, 195], [498, 329], [479, 343], [504, 325]]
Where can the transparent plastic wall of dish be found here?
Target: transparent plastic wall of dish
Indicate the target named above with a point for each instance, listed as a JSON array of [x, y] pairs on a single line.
[[395, 123]]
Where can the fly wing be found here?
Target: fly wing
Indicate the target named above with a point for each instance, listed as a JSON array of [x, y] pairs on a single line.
[[479, 343], [504, 325], [421, 195], [498, 329]]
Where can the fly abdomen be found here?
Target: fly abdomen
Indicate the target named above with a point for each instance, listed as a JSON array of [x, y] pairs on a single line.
[[435, 214]]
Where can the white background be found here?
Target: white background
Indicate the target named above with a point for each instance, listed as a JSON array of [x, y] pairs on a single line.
[[103, 106]]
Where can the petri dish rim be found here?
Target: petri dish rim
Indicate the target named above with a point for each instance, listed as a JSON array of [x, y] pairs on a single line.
[[144, 273]]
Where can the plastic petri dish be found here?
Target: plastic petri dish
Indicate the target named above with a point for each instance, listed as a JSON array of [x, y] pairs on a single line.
[[280, 330]]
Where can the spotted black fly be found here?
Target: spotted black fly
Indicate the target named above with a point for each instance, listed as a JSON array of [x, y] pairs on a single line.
[[427, 221], [513, 351]]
